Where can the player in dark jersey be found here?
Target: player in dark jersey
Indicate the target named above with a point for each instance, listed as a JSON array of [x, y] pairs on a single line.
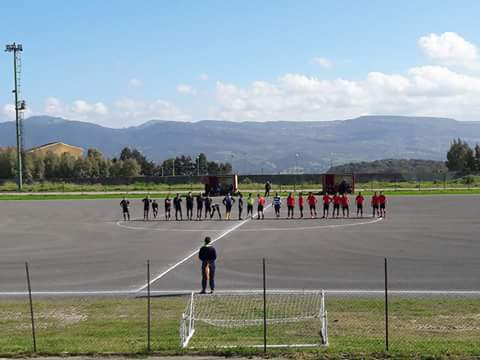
[[155, 208], [177, 204], [216, 208], [208, 206], [168, 207], [375, 204], [250, 203], [146, 207], [240, 206], [126, 212], [189, 201], [199, 199], [228, 201]]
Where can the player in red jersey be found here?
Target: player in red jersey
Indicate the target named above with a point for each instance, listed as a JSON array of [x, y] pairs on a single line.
[[301, 202], [345, 201], [375, 203], [382, 201], [261, 206], [359, 201], [337, 200], [326, 205], [290, 205], [312, 204]]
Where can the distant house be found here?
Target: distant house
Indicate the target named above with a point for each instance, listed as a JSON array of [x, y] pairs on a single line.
[[58, 148]]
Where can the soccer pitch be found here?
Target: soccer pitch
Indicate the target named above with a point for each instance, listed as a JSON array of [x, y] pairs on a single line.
[[84, 246], [88, 266]]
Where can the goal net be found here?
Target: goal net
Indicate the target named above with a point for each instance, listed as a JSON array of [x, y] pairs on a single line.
[[239, 319]]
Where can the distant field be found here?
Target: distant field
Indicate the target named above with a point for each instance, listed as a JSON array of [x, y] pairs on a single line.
[[470, 183], [51, 191]]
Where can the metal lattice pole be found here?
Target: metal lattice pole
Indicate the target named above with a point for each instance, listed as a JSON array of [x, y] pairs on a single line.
[[19, 107]]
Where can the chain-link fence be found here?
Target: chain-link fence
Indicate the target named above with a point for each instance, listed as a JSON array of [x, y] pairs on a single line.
[[392, 318]]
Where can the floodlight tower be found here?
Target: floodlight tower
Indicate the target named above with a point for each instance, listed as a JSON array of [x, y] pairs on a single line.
[[19, 108]]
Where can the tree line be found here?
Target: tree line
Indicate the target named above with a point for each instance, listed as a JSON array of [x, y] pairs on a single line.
[[463, 159], [130, 163]]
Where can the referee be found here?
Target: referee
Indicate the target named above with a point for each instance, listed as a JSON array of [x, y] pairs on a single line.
[[207, 256]]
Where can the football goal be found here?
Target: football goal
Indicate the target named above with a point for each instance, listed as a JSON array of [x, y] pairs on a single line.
[[247, 319]]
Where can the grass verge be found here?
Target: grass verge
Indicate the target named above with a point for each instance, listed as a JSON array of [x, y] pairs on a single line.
[[80, 196], [428, 327]]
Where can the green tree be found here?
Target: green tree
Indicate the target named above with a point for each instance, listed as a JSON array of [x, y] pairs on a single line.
[[27, 167], [115, 169], [460, 157], [147, 167], [7, 163], [477, 157], [130, 168], [66, 166], [52, 163], [82, 168], [203, 163], [38, 167]]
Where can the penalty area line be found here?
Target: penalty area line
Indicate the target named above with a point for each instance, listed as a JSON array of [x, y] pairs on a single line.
[[195, 252]]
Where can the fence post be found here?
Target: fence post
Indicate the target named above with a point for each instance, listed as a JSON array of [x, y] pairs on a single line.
[[386, 306], [148, 308], [31, 308], [264, 308]]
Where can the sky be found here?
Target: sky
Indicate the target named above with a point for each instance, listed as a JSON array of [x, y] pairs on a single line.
[[121, 63]]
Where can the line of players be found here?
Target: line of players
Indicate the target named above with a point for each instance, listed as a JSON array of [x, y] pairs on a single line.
[[207, 207]]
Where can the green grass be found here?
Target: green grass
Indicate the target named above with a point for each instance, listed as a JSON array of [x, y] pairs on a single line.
[[429, 327], [46, 196]]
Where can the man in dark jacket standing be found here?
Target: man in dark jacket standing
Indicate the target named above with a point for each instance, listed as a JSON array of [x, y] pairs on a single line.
[[207, 256]]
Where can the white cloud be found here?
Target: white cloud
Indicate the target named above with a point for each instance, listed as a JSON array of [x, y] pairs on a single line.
[[77, 110], [203, 77], [427, 90], [121, 113], [8, 112], [137, 111], [322, 62], [135, 83], [185, 89], [450, 49]]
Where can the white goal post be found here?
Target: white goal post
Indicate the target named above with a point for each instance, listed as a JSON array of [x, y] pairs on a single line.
[[286, 312]]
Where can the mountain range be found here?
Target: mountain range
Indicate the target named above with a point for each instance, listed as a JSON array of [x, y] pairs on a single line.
[[261, 146]]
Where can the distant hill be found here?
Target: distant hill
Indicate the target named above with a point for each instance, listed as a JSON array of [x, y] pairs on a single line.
[[270, 146], [391, 166]]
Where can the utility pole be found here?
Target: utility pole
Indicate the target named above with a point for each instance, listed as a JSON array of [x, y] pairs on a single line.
[[19, 108], [198, 165]]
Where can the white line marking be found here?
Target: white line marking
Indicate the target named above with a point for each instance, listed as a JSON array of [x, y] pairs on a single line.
[[68, 293], [195, 252], [245, 291], [122, 225], [303, 228]]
